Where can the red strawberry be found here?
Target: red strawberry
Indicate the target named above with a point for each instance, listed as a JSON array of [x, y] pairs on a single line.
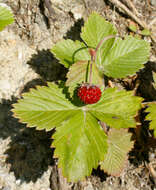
[[89, 94]]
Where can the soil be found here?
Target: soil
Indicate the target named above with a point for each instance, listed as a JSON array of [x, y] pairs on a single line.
[[26, 159]]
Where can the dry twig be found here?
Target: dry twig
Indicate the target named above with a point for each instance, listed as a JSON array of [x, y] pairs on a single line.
[[142, 23], [152, 171], [123, 7], [131, 5], [152, 22]]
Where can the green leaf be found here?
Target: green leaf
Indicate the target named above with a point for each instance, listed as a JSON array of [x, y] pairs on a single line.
[[133, 27], [125, 58], [119, 144], [152, 116], [117, 108], [6, 16], [78, 73], [80, 144], [145, 32], [68, 52], [94, 30], [44, 108], [48, 107], [79, 141]]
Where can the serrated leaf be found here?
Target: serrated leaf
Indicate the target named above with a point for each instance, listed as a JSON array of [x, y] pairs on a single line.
[[79, 72], [152, 116], [119, 144], [126, 57], [95, 30], [117, 108], [77, 131], [44, 108], [80, 141], [68, 52], [6, 16], [48, 107], [80, 144]]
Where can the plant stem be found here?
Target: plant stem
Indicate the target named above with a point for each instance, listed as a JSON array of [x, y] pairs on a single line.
[[93, 54], [101, 43], [91, 66]]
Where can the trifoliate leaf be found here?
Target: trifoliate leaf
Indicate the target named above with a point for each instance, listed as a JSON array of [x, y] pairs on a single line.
[[152, 116], [125, 58], [68, 52], [95, 30], [117, 108], [6, 16], [79, 141], [79, 72], [119, 144], [80, 144]]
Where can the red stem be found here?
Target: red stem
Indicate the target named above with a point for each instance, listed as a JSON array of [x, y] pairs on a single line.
[[93, 54], [101, 43], [91, 65]]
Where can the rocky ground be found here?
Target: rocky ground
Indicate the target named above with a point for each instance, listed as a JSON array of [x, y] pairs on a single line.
[[26, 161]]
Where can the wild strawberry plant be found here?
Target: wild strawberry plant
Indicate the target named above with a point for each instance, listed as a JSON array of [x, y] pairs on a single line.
[[81, 117], [6, 16]]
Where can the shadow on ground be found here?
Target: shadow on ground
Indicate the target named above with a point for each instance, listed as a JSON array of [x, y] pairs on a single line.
[[47, 66], [146, 88], [74, 32], [29, 153]]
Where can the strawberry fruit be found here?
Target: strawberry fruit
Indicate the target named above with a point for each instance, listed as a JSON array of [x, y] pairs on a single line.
[[89, 94]]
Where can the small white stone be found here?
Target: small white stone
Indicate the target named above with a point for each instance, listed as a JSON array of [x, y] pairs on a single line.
[[18, 182], [89, 187], [4, 5], [153, 2], [4, 85], [78, 12]]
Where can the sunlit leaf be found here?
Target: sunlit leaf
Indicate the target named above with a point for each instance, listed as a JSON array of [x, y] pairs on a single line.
[[117, 108], [79, 141], [119, 143], [96, 29], [68, 52], [6, 16], [79, 72], [125, 58]]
